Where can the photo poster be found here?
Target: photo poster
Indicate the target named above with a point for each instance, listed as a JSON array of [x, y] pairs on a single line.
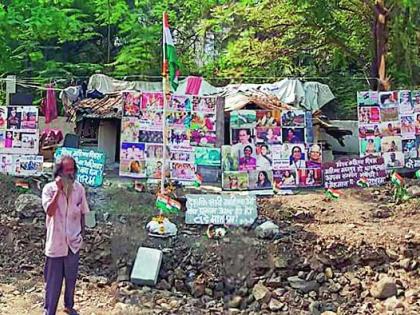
[[270, 151], [90, 165], [190, 124], [21, 165], [19, 130], [389, 127]]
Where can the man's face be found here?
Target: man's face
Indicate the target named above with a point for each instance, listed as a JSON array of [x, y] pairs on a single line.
[[68, 168], [243, 137]]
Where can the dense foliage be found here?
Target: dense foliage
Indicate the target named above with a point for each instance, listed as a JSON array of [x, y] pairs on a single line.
[[225, 41]]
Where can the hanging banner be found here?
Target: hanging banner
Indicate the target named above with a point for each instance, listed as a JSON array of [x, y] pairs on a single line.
[[90, 165]]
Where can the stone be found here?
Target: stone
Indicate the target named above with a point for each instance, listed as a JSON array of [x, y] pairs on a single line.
[[163, 285], [302, 285], [267, 230], [414, 191], [146, 266], [28, 206], [405, 263], [383, 289], [316, 308], [198, 289], [260, 292], [320, 278], [329, 313], [90, 219], [279, 292], [123, 274], [392, 303], [274, 282], [235, 302], [275, 305], [329, 273], [280, 262]]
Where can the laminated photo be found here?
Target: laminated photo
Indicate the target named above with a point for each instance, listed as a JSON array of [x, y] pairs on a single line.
[[131, 103], [8, 139], [410, 149], [154, 151], [181, 154], [235, 180], [416, 100], [310, 177], [285, 178], [14, 116], [314, 159], [28, 165], [230, 158], [389, 114], [268, 135], [293, 135], [2, 138], [29, 118], [391, 144], [388, 99], [132, 151], [405, 101], [3, 117], [207, 156], [367, 98], [417, 123], [179, 136], [206, 104], [243, 118], [154, 169], [260, 180], [264, 157], [178, 119], [293, 118], [152, 101], [180, 103], [151, 120], [183, 171], [247, 158], [394, 159], [202, 121], [268, 118], [133, 168], [389, 129], [366, 131], [243, 136], [30, 141], [408, 125], [6, 164], [370, 146], [297, 156], [203, 139], [130, 129], [369, 114], [150, 136], [281, 155]]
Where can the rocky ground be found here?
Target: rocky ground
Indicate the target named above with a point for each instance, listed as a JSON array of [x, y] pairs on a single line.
[[356, 255]]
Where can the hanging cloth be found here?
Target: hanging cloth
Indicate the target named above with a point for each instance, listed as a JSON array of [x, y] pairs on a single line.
[[49, 105], [193, 85]]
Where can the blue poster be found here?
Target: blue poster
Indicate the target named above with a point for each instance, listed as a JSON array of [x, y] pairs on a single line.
[[90, 165]]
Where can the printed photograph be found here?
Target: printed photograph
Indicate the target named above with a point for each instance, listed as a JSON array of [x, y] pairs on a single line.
[[180, 103], [178, 119], [297, 156], [30, 165], [408, 126], [268, 118], [285, 178], [29, 140], [367, 98], [388, 99], [151, 120], [133, 168], [3, 117], [230, 159], [179, 136], [417, 124], [207, 156], [152, 101], [389, 129], [264, 157], [154, 151], [410, 149], [202, 121], [369, 115], [203, 139], [247, 158], [2, 138], [260, 179], [29, 118], [6, 163], [393, 159], [154, 169], [314, 159], [243, 118], [150, 136], [181, 154], [130, 127], [293, 118], [405, 100], [370, 146], [8, 140], [243, 136], [310, 177], [14, 116], [17, 139], [416, 100], [132, 151], [366, 131], [389, 114], [391, 144], [293, 135], [131, 103], [235, 180], [183, 171], [269, 135], [281, 155], [205, 104]]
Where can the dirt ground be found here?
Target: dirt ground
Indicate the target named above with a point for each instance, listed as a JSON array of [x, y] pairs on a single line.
[[360, 216]]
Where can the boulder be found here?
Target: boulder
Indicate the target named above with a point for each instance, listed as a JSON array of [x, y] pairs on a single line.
[[383, 289], [28, 206], [275, 305], [305, 286], [267, 230], [260, 292]]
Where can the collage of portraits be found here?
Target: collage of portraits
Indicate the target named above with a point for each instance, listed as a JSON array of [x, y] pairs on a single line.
[[389, 126], [269, 150], [19, 140], [190, 134]]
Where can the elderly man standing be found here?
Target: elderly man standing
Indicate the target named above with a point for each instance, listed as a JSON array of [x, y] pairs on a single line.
[[64, 201]]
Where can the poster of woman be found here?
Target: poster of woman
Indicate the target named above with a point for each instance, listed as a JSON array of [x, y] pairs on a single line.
[[3, 117], [204, 104], [230, 158], [297, 157], [293, 135], [269, 135], [405, 101], [388, 99], [154, 169], [264, 157], [268, 118], [130, 127], [14, 117], [178, 119], [248, 161], [133, 168], [235, 180], [369, 114], [314, 156], [416, 101], [261, 179], [408, 125], [285, 178], [152, 101], [131, 103], [183, 171], [154, 151]]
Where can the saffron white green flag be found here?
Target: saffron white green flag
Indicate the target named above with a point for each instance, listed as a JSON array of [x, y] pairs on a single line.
[[170, 62]]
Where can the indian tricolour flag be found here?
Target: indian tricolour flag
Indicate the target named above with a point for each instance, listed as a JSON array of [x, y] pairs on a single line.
[[396, 179], [332, 194], [170, 60], [363, 182]]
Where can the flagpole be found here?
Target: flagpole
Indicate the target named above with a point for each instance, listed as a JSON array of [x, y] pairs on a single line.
[[164, 89]]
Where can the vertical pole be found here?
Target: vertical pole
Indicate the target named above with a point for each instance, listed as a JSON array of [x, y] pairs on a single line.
[[109, 33], [164, 89]]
